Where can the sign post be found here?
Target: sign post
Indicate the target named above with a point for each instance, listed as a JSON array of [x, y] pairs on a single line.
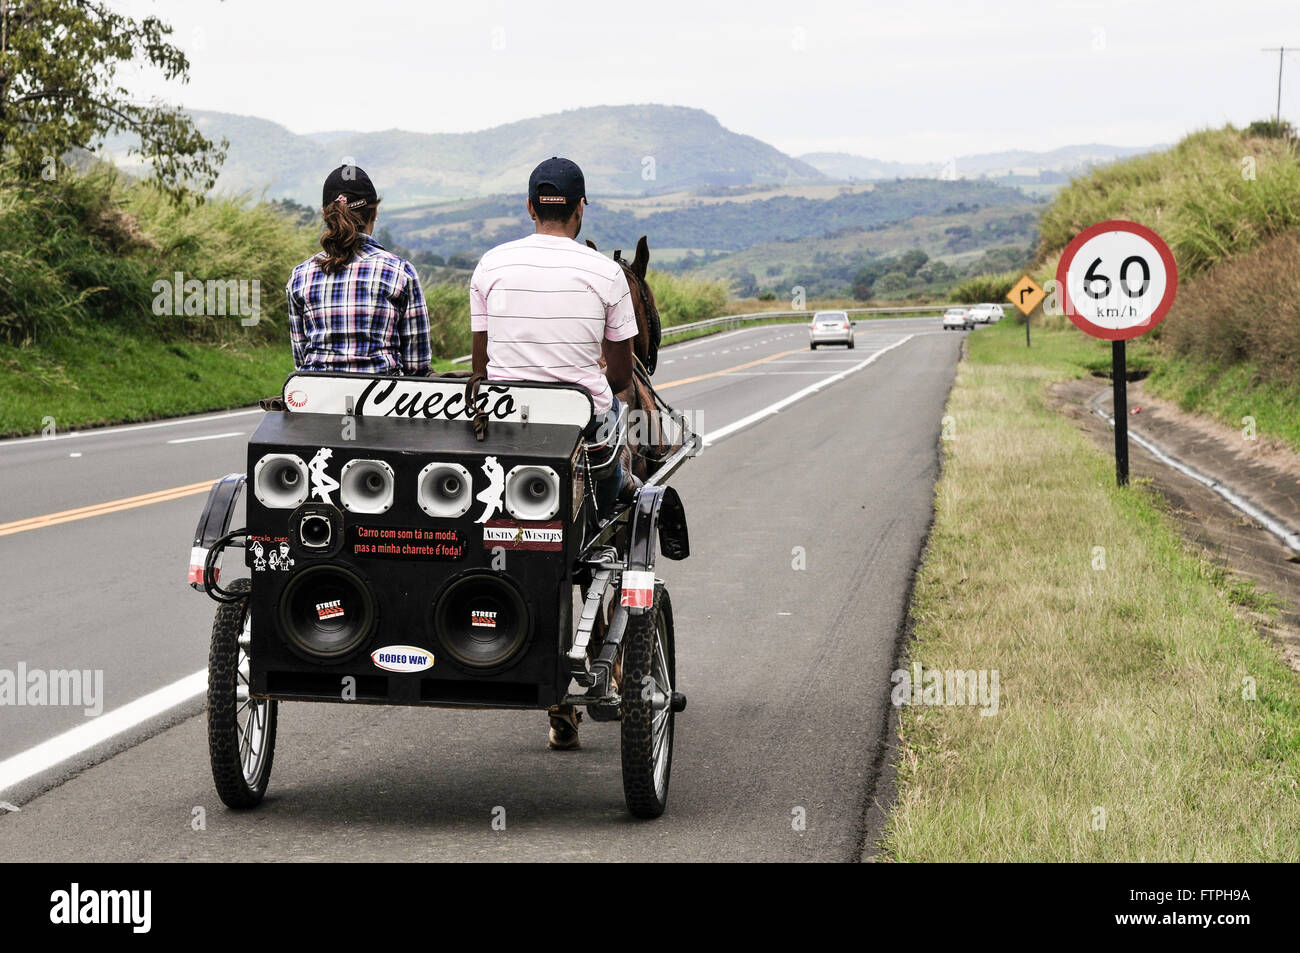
[[1117, 281], [1025, 294]]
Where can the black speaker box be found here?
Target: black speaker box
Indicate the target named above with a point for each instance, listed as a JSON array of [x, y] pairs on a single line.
[[366, 588]]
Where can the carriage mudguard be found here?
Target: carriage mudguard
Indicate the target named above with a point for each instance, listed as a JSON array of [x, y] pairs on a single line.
[[214, 522], [657, 512]]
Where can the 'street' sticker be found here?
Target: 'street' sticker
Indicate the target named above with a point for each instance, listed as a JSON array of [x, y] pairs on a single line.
[[483, 619], [402, 658], [332, 609]]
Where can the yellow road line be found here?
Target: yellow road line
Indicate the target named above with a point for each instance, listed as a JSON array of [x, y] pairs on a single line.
[[729, 370], [103, 509]]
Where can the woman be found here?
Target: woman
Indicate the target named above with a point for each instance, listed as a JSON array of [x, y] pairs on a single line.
[[355, 306]]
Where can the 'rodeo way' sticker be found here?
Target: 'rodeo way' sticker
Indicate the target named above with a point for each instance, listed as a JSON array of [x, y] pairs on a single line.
[[505, 534]]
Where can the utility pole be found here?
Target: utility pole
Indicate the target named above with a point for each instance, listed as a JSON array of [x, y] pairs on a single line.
[[1281, 52]]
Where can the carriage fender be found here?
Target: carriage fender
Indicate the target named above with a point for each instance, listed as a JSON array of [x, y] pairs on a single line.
[[214, 522], [657, 514]]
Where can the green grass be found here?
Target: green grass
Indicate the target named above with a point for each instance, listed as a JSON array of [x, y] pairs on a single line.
[[94, 377], [1121, 688], [1229, 395]]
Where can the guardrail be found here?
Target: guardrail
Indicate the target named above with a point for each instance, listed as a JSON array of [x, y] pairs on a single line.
[[728, 321]]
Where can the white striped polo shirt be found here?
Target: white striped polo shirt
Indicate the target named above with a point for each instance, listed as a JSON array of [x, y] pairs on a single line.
[[546, 302]]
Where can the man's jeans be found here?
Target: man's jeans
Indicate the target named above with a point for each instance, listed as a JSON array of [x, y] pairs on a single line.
[[607, 490]]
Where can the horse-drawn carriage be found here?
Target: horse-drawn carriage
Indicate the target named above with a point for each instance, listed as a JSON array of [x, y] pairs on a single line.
[[417, 541]]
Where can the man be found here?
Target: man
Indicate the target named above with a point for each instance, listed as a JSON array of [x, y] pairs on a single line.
[[545, 308]]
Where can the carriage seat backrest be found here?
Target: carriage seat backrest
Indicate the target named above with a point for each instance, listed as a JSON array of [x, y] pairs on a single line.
[[432, 398]]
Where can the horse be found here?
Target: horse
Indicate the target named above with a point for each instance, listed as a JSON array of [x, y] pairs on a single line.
[[647, 443]]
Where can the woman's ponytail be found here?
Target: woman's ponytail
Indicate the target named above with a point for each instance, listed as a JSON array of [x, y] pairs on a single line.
[[344, 229]]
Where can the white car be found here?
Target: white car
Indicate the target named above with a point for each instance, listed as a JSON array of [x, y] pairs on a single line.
[[830, 327], [957, 319], [987, 313]]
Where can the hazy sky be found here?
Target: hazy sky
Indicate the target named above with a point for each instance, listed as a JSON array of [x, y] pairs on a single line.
[[919, 80]]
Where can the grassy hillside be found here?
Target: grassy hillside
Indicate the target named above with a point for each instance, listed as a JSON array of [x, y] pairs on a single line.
[[1228, 203]]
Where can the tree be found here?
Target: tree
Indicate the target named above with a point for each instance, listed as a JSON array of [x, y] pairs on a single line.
[[892, 283], [910, 261], [744, 283], [59, 91]]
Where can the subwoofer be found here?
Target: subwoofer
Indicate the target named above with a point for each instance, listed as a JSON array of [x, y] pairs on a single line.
[[327, 612], [481, 620]]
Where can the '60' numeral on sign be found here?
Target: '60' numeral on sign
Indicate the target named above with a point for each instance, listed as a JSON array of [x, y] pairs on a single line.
[[1091, 277]]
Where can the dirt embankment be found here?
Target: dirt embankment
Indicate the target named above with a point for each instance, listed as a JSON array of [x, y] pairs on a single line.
[[1263, 472]]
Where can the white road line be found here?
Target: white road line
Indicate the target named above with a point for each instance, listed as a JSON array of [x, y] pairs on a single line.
[[211, 436], [102, 431], [723, 433], [77, 741]]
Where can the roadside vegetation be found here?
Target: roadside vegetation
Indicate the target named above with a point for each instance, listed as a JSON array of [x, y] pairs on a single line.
[[1141, 717], [1228, 203]]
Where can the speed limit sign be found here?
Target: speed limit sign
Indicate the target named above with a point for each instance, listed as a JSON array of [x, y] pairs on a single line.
[[1117, 280]]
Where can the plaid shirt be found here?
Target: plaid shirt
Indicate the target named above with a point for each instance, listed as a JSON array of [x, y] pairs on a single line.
[[370, 317]]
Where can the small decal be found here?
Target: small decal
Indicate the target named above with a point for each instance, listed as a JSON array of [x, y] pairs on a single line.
[[333, 609], [402, 658], [638, 589], [322, 484], [405, 542], [277, 560], [505, 534], [296, 399], [483, 619], [491, 497]]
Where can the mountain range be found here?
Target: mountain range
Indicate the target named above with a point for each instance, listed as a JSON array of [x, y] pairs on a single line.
[[623, 150]]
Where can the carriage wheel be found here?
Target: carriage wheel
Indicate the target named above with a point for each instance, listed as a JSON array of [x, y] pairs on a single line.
[[241, 729], [649, 674]]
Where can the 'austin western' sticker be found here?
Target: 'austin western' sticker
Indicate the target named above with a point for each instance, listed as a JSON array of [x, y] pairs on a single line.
[[483, 619], [332, 609], [402, 658], [510, 535]]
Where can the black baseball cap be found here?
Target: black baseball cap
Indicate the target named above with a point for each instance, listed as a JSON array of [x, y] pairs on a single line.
[[352, 182], [567, 185]]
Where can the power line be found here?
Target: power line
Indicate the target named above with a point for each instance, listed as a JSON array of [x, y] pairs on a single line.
[[1281, 52]]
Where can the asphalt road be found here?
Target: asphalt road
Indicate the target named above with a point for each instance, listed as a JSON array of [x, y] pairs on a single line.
[[787, 671]]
